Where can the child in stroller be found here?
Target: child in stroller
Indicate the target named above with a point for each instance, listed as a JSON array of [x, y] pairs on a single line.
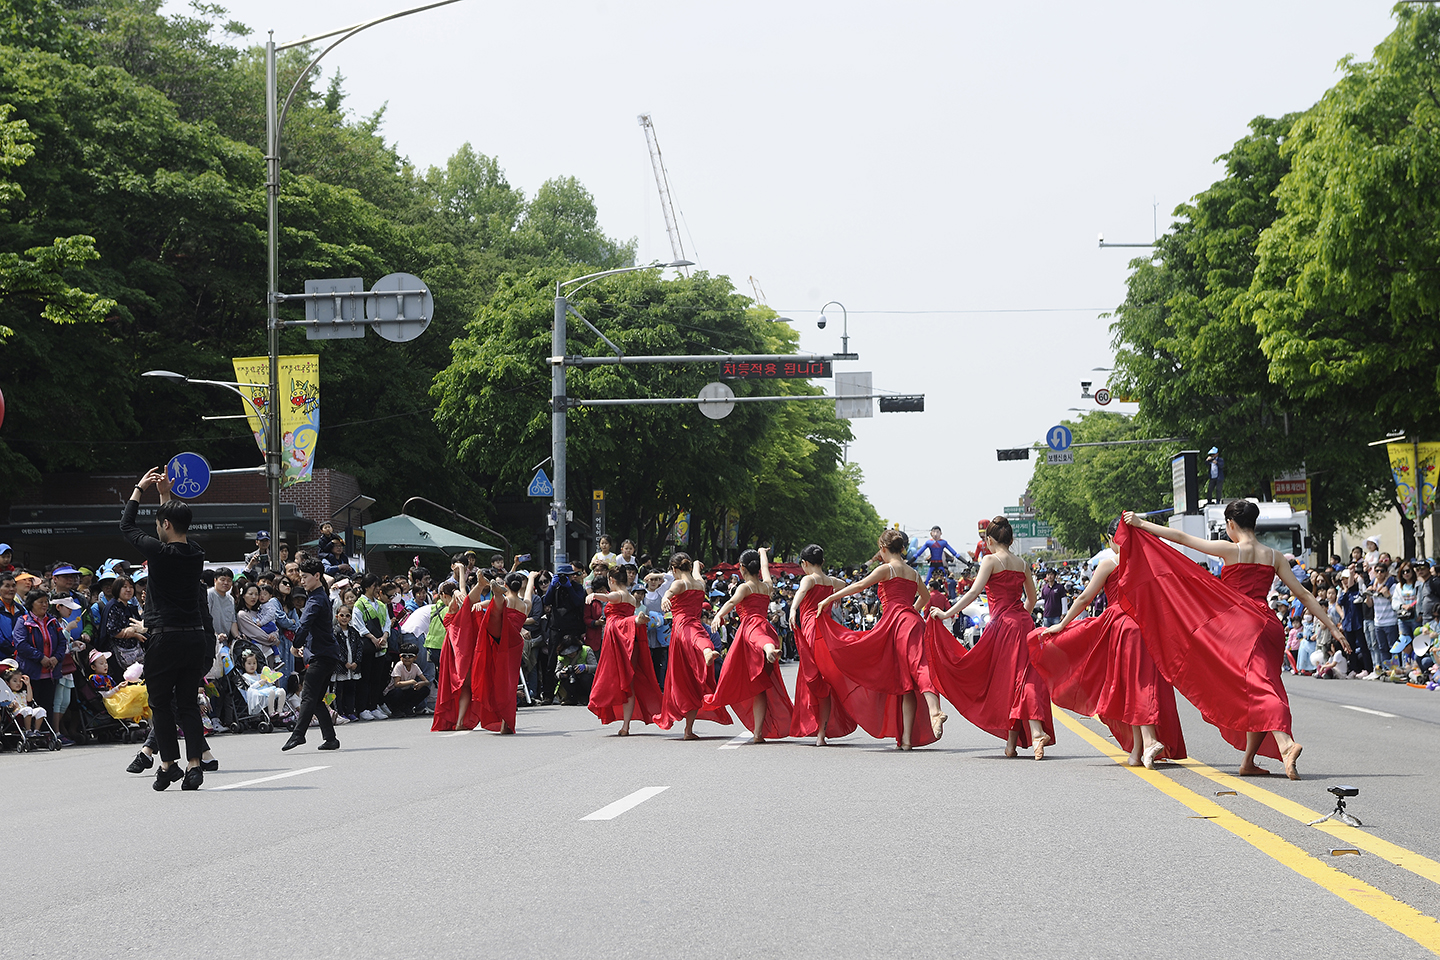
[[17, 706], [116, 713], [262, 697]]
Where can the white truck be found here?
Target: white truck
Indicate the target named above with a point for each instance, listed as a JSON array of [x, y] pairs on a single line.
[[1278, 527]]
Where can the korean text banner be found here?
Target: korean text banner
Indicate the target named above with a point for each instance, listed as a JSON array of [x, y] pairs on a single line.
[[299, 411]]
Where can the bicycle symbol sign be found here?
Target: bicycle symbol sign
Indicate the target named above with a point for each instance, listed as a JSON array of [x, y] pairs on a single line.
[[189, 475]]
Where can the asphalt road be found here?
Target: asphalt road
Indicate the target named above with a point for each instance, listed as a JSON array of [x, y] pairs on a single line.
[[407, 843]]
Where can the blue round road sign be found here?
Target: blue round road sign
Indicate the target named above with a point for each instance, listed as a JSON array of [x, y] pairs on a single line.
[[189, 475], [1058, 437]]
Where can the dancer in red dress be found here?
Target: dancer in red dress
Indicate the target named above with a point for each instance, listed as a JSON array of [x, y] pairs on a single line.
[[816, 713], [689, 675], [495, 673], [750, 680], [1099, 666], [1218, 641], [878, 675], [625, 677], [453, 688], [994, 684]]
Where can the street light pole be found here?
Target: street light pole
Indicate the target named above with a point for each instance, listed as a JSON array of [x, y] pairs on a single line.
[[272, 300], [274, 122], [559, 402]]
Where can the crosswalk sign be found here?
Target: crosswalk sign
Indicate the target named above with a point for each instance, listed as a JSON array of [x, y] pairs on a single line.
[[540, 486]]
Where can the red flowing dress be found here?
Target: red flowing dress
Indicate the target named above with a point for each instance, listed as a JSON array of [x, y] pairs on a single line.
[[457, 656], [870, 671], [495, 671], [747, 674], [810, 685], [687, 677], [1099, 666], [994, 685], [625, 670], [1216, 640]]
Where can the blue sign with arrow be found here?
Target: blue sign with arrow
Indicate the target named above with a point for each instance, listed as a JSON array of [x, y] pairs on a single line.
[[189, 475], [540, 486], [1058, 438]]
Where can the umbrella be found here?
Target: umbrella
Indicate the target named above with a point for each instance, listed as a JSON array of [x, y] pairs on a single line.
[[405, 532]]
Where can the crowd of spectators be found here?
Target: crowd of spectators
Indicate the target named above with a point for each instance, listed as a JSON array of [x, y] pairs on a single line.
[[56, 625]]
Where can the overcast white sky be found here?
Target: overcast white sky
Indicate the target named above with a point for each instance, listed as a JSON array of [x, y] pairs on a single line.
[[939, 168]]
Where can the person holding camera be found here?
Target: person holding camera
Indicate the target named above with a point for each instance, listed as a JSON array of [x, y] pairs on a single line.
[[565, 607], [574, 674], [1215, 467]]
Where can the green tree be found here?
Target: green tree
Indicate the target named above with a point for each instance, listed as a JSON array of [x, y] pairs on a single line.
[[1189, 352], [1081, 499], [1346, 294]]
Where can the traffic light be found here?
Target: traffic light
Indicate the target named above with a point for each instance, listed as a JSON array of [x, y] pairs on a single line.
[[908, 404], [1018, 453]]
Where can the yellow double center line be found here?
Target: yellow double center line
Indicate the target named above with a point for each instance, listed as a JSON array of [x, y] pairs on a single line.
[[1401, 917]]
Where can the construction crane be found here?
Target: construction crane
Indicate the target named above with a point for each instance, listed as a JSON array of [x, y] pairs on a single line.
[[662, 183], [759, 293]]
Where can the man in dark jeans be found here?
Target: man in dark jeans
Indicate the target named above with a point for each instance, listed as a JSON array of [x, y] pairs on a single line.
[[565, 606], [178, 650], [318, 633]]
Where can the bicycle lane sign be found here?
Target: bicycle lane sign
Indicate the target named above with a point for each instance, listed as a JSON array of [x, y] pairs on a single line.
[[189, 475]]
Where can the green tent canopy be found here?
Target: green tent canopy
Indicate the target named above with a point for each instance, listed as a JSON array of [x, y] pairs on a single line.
[[408, 533]]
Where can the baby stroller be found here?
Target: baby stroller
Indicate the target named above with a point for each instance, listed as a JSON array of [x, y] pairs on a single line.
[[95, 721], [234, 710], [12, 735]]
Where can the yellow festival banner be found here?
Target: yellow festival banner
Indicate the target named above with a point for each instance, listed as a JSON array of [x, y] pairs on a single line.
[[299, 411], [1414, 477]]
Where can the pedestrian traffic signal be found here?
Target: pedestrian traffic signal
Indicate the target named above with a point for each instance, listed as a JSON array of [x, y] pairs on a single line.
[[1018, 453]]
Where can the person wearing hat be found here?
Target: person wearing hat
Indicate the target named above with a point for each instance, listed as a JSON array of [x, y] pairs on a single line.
[[259, 561], [7, 557], [1215, 488], [574, 673], [40, 646], [10, 611], [565, 605]]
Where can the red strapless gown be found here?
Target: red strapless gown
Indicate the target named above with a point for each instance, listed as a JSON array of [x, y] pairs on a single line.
[[1099, 666], [810, 685], [1216, 640], [994, 685], [747, 674], [625, 670], [457, 657], [687, 678], [495, 672], [870, 671]]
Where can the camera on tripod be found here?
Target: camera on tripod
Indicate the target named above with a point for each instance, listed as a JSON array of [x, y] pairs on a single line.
[[1342, 792]]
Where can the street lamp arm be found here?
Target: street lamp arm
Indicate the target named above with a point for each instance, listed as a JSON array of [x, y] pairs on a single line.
[[347, 33], [590, 278]]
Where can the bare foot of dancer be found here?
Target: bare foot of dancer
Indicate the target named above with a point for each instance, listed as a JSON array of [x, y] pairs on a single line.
[[691, 735], [1040, 742], [624, 731], [1010, 742], [1152, 753], [1134, 760], [1249, 769], [504, 729], [904, 745], [757, 739], [1290, 757]]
